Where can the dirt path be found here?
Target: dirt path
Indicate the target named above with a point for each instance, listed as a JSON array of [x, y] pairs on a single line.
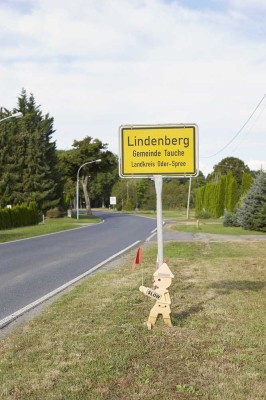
[[171, 235]]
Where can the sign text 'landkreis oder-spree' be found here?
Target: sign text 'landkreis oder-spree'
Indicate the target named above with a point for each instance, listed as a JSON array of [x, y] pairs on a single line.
[[170, 150]]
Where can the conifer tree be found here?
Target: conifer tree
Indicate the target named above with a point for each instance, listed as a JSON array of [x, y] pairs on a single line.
[[209, 202], [246, 183], [10, 177], [231, 193], [199, 202], [40, 175], [220, 197], [252, 214], [28, 162]]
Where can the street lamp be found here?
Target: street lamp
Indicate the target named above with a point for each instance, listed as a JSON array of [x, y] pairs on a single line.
[[77, 190], [16, 115]]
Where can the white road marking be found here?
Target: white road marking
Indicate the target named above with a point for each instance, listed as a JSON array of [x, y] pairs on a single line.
[[53, 233], [10, 318]]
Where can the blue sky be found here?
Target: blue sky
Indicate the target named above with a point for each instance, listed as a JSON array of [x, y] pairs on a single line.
[[201, 5], [97, 64]]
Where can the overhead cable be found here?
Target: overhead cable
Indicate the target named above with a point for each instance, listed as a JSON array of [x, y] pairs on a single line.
[[240, 130]]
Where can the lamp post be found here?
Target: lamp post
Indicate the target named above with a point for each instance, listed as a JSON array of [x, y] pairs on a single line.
[[77, 190], [16, 115]]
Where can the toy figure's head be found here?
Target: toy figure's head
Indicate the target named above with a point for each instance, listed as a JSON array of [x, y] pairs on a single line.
[[163, 277]]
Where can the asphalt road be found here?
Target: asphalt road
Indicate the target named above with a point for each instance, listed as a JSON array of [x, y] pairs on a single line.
[[29, 269]]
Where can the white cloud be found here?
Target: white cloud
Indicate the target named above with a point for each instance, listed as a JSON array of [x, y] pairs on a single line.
[[257, 5], [257, 165], [96, 65]]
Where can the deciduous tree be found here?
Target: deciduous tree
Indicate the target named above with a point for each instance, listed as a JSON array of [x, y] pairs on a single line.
[[96, 179], [229, 164]]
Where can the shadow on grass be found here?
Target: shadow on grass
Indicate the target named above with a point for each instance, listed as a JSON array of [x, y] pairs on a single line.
[[179, 318], [224, 288]]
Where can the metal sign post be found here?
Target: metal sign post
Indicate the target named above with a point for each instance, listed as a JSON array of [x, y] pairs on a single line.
[[188, 197], [158, 151], [158, 179]]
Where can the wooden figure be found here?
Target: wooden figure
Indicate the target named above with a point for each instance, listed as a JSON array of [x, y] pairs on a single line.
[[162, 280]]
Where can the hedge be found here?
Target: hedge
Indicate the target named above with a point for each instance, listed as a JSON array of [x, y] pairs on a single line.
[[17, 216]]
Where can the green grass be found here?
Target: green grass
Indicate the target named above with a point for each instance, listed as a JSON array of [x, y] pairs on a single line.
[[50, 226], [175, 215], [92, 343], [216, 228]]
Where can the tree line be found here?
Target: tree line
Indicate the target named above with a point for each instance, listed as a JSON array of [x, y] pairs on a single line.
[[34, 171], [239, 195], [222, 195]]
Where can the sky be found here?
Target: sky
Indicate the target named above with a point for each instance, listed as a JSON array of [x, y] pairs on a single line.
[[95, 65]]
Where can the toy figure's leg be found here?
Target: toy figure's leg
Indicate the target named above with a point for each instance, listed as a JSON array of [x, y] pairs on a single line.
[[166, 316], [168, 321], [152, 317], [151, 321]]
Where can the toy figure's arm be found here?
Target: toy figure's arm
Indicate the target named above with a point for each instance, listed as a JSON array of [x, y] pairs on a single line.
[[143, 289], [150, 292]]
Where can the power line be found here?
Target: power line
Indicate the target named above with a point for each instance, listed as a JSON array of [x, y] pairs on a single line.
[[240, 130], [248, 131]]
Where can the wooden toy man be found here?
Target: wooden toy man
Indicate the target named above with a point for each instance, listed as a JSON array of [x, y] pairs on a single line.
[[162, 280]]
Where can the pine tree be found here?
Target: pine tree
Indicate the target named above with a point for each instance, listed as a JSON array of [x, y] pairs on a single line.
[[252, 214], [10, 176], [28, 163], [40, 176]]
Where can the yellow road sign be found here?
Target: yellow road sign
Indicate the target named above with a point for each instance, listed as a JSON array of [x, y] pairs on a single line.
[[169, 150]]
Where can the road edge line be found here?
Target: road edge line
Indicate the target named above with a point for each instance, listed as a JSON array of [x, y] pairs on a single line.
[[52, 233], [12, 317]]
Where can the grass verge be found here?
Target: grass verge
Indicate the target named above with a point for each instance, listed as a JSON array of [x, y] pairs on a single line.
[[216, 228], [175, 215], [52, 225], [92, 344]]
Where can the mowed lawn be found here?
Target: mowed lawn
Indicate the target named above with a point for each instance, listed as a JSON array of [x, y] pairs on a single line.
[[50, 225], [92, 342]]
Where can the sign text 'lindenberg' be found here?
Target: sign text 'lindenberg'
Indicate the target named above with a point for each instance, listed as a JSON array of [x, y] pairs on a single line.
[[170, 150]]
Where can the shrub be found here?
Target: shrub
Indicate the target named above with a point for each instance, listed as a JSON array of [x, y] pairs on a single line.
[[55, 213], [20, 215], [230, 219], [203, 215], [129, 206]]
